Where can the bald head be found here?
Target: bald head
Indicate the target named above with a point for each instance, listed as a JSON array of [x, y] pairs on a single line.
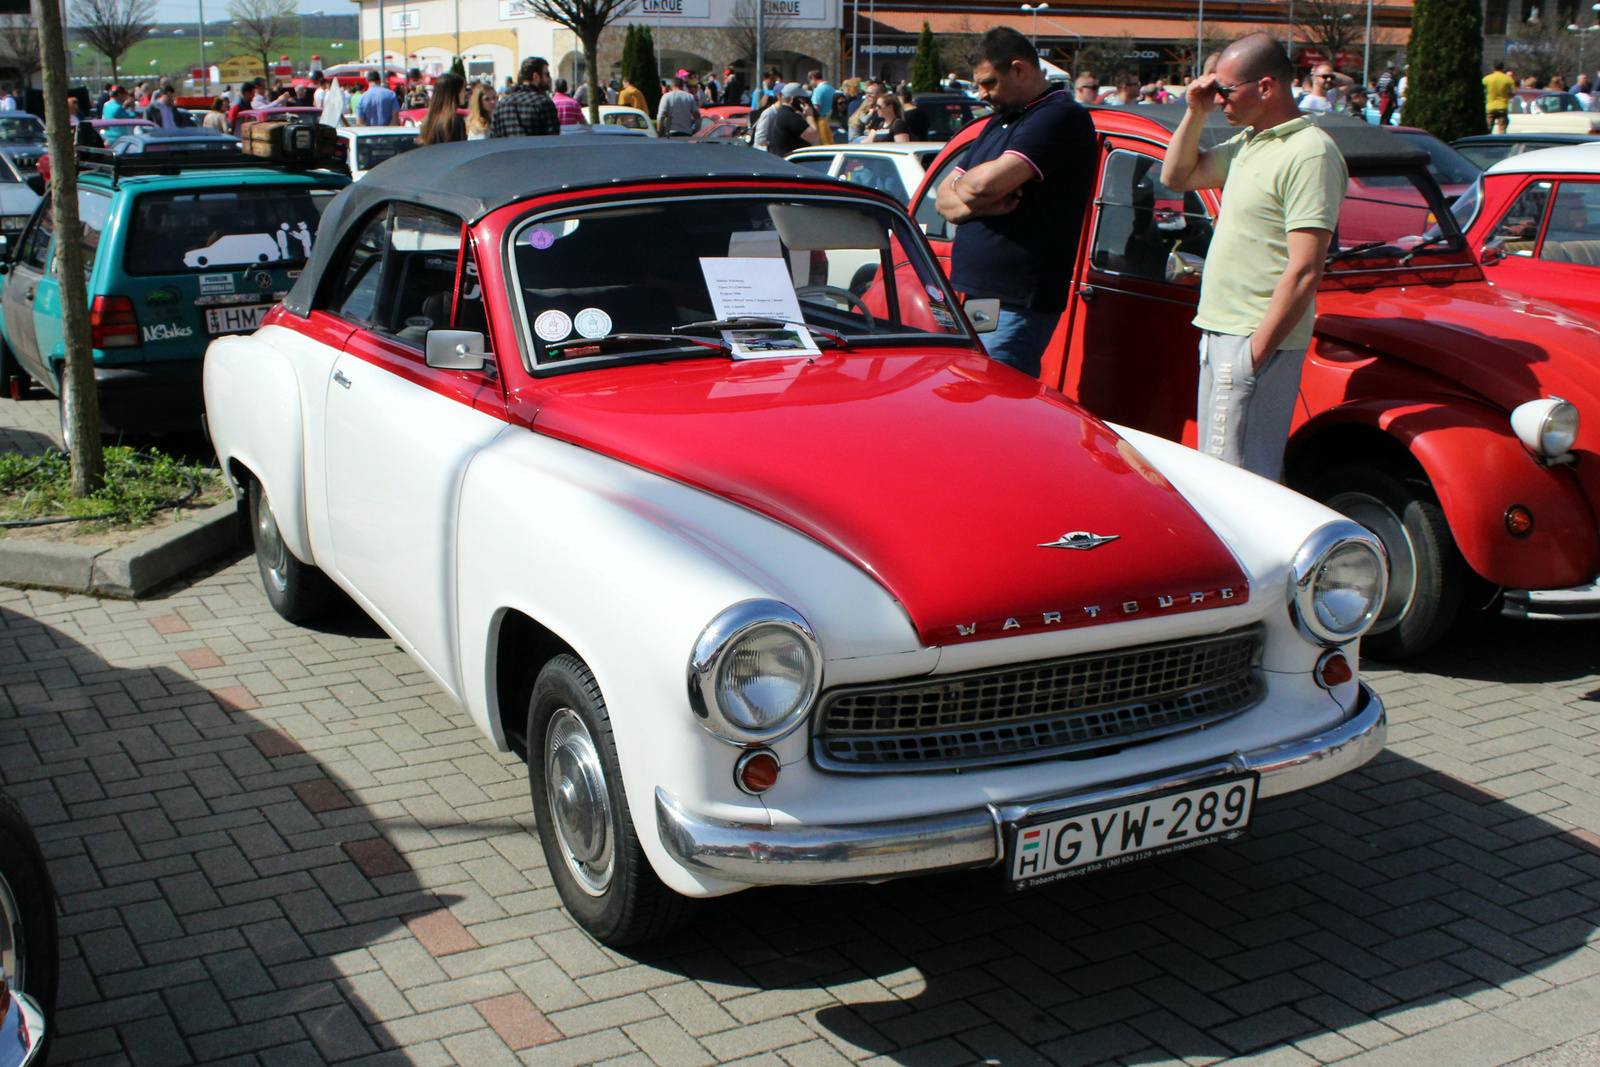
[[1258, 55]]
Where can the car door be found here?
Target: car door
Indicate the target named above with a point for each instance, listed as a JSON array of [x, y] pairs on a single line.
[[1570, 249], [1132, 352], [22, 289], [1518, 230], [400, 435]]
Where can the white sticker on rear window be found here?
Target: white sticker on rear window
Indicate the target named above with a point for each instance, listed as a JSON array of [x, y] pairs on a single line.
[[553, 325], [216, 283], [592, 322]]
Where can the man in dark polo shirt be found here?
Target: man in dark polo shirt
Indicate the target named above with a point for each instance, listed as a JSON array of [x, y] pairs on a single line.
[[1019, 198]]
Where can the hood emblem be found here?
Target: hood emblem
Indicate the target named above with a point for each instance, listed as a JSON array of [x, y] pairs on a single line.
[[1081, 539]]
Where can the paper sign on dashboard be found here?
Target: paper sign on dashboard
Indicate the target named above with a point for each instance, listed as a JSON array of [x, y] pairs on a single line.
[[757, 287]]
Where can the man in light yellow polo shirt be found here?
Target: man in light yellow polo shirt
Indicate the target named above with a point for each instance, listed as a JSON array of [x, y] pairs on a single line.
[[1498, 89], [1282, 183]]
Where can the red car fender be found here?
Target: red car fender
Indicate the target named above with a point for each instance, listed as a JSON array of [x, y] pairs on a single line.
[[1479, 469]]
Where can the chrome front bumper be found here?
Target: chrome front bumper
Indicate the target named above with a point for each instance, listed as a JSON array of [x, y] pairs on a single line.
[[855, 852], [1580, 602]]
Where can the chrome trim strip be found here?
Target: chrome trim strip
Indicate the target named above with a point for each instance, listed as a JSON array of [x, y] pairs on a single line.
[[761, 854]]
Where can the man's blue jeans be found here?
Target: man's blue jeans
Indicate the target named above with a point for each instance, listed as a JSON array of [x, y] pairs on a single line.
[[1020, 338]]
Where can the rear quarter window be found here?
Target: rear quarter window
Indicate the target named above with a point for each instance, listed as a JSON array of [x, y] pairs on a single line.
[[178, 232]]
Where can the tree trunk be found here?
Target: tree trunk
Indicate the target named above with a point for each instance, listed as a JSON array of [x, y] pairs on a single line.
[[82, 403], [591, 52]]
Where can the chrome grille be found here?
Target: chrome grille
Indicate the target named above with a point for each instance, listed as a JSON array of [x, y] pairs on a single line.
[[1040, 709]]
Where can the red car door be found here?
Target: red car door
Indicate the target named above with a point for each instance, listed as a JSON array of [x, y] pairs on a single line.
[[1132, 354], [1551, 232]]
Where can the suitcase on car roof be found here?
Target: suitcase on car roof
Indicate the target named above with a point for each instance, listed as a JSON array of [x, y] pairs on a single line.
[[290, 142]]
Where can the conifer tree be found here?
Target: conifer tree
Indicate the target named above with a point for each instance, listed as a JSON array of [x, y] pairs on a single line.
[[1445, 64]]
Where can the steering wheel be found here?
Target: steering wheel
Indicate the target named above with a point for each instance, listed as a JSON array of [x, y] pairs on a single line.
[[851, 300]]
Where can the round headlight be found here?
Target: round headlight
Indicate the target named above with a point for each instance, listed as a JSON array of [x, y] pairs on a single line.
[[1337, 582], [755, 672], [1548, 427]]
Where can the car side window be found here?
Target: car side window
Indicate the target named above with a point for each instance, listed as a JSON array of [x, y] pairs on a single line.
[[875, 172], [1141, 222], [1573, 235], [399, 275], [36, 243], [927, 214], [820, 164], [1519, 226], [93, 211]]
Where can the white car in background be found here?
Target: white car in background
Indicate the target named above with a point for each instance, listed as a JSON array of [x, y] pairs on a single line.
[[367, 146], [629, 117], [893, 167]]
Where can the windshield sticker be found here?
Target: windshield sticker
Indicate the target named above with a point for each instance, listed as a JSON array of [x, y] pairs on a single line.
[[234, 248], [553, 325], [301, 233], [216, 283], [163, 331], [541, 238], [592, 322]]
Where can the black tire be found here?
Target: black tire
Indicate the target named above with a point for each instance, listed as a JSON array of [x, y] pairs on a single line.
[[298, 591], [1426, 572], [595, 858], [31, 955]]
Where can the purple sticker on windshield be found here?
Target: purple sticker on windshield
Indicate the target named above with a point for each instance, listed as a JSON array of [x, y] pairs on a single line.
[[541, 238]]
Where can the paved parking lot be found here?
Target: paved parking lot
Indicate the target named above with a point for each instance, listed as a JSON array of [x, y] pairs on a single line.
[[277, 846]]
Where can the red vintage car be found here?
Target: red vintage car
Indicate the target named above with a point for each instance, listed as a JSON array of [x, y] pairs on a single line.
[[1534, 220], [1428, 408]]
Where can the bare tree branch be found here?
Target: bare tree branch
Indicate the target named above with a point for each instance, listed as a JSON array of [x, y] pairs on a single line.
[[263, 28], [19, 39], [111, 27], [587, 19], [739, 36]]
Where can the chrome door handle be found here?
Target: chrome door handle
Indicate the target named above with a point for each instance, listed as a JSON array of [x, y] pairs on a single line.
[[339, 377], [1087, 292], [29, 297]]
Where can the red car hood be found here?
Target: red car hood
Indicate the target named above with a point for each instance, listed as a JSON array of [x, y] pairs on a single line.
[[942, 476]]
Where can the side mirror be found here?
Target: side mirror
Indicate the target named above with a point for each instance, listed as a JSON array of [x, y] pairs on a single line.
[[984, 314], [1185, 269], [455, 350], [1493, 252], [37, 184]]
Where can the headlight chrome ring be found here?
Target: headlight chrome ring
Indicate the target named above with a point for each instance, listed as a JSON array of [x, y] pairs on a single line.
[[1326, 596], [1548, 428], [728, 692]]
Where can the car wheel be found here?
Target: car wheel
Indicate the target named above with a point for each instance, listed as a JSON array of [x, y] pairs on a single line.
[[1426, 572], [297, 591], [589, 840], [29, 948]]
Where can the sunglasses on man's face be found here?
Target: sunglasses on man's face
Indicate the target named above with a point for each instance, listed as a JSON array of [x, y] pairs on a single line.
[[1227, 91]]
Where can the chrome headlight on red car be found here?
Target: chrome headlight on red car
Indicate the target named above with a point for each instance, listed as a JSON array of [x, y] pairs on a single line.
[[1337, 582], [1548, 427]]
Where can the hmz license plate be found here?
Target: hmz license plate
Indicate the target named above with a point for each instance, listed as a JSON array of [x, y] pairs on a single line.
[[236, 319], [1097, 838]]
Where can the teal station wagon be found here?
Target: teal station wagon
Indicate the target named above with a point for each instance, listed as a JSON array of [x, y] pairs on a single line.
[[179, 251]]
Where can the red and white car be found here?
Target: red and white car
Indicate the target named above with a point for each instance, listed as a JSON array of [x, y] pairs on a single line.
[[1534, 219], [862, 605]]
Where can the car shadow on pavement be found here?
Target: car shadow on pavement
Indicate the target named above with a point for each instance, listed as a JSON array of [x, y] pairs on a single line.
[[1374, 906], [1486, 647], [221, 890]]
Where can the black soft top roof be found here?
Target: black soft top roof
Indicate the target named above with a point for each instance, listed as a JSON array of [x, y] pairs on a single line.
[[470, 179], [1363, 145]]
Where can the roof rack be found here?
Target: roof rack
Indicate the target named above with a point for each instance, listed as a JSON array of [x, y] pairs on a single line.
[[138, 164]]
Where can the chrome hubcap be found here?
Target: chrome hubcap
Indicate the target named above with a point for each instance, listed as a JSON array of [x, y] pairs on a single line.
[[270, 544], [580, 801], [12, 946], [1380, 518]]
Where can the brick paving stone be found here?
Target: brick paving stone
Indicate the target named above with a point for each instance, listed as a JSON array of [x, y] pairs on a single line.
[[171, 624], [375, 857], [441, 933], [199, 659], [321, 795]]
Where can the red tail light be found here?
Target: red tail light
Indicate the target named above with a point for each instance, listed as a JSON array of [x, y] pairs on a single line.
[[112, 323]]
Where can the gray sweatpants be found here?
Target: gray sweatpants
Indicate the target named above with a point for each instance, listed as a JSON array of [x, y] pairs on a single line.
[[1244, 415]]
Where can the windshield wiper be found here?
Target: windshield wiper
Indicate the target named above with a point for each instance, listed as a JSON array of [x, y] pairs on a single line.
[[761, 322], [1355, 250], [631, 338], [1405, 260]]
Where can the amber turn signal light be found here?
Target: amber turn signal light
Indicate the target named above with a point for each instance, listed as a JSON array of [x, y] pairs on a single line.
[[1519, 521], [1333, 669], [756, 772]]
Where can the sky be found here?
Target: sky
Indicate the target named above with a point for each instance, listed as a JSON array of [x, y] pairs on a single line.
[[188, 10]]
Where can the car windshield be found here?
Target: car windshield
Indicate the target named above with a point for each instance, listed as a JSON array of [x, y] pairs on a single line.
[[1554, 103], [1395, 214], [375, 148], [266, 226], [1447, 166], [21, 129], [1486, 154], [845, 267]]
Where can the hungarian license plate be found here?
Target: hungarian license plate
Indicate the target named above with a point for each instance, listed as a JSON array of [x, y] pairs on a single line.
[[1096, 838], [236, 319]]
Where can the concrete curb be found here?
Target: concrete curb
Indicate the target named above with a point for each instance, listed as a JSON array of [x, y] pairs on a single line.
[[128, 572]]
